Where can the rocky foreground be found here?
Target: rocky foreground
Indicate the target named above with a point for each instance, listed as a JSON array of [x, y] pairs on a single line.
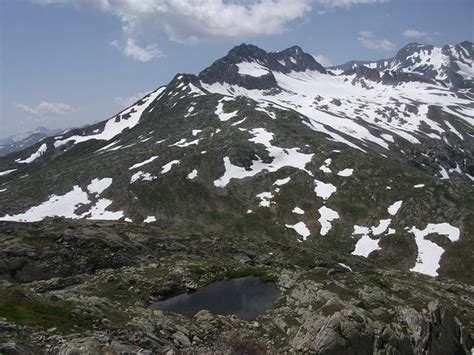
[[83, 287]]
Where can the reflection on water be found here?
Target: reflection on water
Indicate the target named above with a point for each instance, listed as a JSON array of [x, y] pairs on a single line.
[[246, 297]]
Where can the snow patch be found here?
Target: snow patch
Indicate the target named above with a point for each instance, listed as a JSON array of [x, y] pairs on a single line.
[[149, 219], [345, 266], [300, 228], [327, 216], [326, 166], [167, 167], [324, 190], [382, 227], [252, 69], [221, 114], [393, 208], [429, 253], [281, 182], [345, 172], [140, 175], [366, 245], [297, 210], [193, 174], [265, 199], [97, 186], [55, 206], [98, 211]]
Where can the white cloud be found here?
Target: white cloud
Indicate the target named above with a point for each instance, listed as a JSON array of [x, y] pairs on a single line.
[[191, 21], [128, 101], [410, 33], [45, 108], [323, 60], [414, 34], [368, 40], [133, 50]]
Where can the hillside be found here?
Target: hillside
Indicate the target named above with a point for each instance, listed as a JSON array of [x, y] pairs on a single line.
[[350, 187]]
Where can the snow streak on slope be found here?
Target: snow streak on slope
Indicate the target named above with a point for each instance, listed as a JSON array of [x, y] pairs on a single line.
[[117, 124], [6, 172], [41, 150], [137, 165]]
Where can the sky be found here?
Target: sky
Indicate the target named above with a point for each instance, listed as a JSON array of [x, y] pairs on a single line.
[[67, 63]]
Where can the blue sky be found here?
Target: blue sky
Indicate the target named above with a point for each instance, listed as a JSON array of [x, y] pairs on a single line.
[[66, 63]]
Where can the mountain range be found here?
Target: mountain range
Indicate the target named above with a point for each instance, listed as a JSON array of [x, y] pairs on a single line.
[[276, 163]]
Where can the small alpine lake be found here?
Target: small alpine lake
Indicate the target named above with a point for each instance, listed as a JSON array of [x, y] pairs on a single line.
[[245, 297]]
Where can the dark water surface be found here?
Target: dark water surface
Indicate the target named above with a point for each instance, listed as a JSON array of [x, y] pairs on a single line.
[[246, 297]]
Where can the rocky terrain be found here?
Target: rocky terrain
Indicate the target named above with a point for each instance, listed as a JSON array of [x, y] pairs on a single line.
[[86, 286], [349, 188]]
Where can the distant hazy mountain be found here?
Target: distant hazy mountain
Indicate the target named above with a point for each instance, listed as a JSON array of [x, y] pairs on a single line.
[[24, 140]]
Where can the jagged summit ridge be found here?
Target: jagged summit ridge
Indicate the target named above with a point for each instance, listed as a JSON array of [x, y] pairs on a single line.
[[251, 67]]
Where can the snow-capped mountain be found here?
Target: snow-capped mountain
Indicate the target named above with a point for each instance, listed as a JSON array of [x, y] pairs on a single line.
[[360, 164], [351, 190], [450, 64]]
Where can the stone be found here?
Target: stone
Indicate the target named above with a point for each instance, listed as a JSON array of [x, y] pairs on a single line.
[[182, 339]]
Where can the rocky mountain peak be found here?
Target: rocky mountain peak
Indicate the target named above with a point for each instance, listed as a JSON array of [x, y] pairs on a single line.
[[252, 68], [295, 59], [246, 52], [451, 65]]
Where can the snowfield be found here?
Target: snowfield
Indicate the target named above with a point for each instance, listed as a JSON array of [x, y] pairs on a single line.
[[312, 94]]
